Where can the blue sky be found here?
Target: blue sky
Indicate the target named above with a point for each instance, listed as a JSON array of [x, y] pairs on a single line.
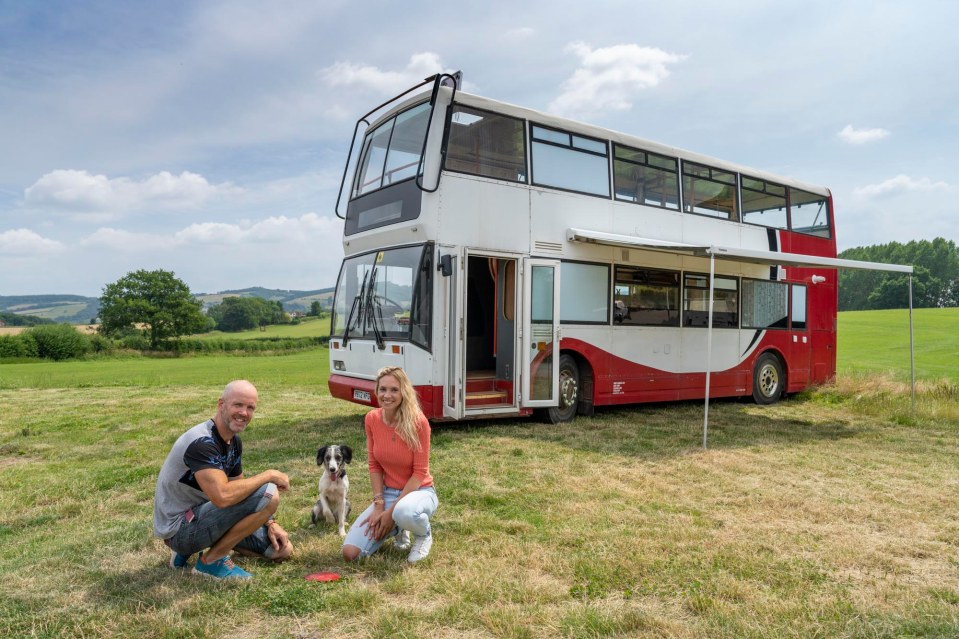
[[208, 138]]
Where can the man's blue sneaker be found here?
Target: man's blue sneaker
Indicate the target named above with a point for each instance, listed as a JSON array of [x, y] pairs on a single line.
[[179, 561], [222, 568]]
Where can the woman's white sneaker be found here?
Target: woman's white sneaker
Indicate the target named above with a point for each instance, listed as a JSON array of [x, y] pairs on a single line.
[[421, 547]]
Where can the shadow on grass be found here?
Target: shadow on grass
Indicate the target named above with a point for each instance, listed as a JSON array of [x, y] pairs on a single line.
[[655, 431], [277, 589]]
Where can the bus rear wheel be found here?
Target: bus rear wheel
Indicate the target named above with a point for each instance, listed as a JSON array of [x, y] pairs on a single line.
[[568, 392], [768, 379]]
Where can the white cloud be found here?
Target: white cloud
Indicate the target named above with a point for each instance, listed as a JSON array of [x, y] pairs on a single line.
[[122, 241], [81, 191], [276, 230], [26, 242], [609, 78], [898, 184], [421, 65], [861, 136], [280, 229]]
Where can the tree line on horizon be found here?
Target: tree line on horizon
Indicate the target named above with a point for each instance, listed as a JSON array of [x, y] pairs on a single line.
[[935, 282], [156, 306]]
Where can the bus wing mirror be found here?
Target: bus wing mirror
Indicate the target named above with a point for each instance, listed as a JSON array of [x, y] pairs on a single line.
[[446, 265]]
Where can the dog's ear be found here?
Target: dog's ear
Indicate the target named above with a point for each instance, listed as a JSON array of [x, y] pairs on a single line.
[[320, 454], [347, 453]]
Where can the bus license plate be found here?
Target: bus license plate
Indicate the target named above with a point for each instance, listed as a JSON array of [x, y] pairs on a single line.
[[362, 395]]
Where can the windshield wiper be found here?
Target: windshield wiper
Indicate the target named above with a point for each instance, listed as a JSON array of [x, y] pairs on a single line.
[[353, 309], [371, 312]]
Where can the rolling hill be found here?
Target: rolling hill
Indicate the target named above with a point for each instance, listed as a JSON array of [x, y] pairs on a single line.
[[292, 300], [77, 309], [72, 309]]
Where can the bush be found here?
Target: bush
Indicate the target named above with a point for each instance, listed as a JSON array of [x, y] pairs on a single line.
[[102, 345], [235, 345], [135, 342], [60, 341], [22, 345]]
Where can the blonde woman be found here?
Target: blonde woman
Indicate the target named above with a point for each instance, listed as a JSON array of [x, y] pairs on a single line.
[[398, 445]]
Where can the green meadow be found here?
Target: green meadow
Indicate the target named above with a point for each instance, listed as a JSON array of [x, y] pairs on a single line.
[[307, 327], [831, 514], [302, 369], [878, 342]]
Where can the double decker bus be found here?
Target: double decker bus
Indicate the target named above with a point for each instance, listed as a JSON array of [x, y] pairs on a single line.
[[511, 260]]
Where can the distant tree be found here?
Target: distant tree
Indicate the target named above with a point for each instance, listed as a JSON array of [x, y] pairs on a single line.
[[316, 308], [893, 290], [15, 319], [156, 299], [234, 314], [935, 279], [245, 313]]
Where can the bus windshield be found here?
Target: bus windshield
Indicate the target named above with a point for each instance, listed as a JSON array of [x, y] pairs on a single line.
[[385, 295], [391, 152]]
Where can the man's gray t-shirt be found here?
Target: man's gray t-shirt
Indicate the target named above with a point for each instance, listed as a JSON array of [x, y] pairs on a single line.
[[177, 490]]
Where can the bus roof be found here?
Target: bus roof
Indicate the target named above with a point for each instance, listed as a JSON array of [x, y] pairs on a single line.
[[574, 126]]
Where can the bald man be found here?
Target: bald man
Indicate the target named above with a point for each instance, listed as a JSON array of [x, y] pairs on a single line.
[[203, 500]]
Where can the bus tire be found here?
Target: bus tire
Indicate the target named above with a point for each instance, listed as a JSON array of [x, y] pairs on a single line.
[[768, 380], [568, 392]]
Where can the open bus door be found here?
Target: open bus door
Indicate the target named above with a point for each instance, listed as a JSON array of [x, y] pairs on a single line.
[[453, 334], [540, 333]]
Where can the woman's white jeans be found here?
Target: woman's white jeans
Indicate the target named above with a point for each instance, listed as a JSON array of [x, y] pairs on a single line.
[[412, 513]]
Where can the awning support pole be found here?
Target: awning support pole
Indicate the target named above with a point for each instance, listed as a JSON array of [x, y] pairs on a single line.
[[709, 346], [912, 353]]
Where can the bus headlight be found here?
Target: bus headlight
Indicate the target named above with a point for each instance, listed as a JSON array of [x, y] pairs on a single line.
[[338, 365]]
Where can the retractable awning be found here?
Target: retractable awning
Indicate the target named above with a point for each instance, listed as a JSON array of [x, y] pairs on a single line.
[[754, 256], [729, 252]]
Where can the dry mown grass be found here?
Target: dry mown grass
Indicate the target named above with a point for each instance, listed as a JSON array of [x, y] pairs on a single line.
[[829, 515], [87, 329]]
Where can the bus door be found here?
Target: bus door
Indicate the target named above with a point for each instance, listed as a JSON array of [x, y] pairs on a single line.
[[489, 346], [453, 332], [540, 333], [800, 346]]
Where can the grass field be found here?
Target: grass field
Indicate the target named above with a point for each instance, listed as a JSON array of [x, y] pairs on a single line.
[[308, 327], [303, 369], [878, 341], [829, 515]]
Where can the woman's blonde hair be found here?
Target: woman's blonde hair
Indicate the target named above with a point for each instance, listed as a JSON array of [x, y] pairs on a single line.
[[409, 412]]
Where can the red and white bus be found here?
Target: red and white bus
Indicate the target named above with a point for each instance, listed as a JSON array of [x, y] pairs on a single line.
[[511, 261]]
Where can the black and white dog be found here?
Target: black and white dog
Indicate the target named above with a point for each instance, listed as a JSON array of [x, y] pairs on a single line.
[[333, 505]]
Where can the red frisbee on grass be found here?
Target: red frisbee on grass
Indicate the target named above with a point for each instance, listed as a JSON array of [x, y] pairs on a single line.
[[323, 576]]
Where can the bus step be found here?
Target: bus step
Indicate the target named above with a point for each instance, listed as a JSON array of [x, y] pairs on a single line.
[[486, 398], [480, 382]]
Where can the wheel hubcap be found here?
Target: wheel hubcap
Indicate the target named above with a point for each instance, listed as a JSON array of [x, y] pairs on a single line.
[[567, 389], [768, 380]]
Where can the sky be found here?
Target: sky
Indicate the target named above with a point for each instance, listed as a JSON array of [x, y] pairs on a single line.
[[209, 138]]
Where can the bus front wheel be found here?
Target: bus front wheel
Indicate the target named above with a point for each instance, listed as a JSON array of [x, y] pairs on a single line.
[[768, 379], [568, 392]]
